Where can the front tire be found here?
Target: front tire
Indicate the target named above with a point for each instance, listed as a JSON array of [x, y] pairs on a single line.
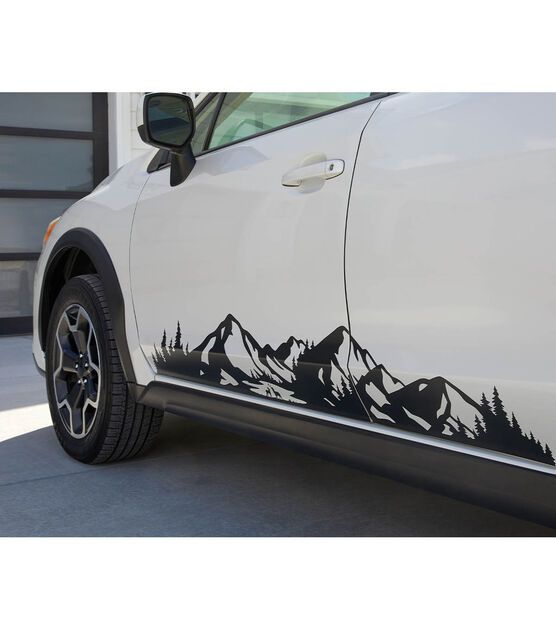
[[95, 416]]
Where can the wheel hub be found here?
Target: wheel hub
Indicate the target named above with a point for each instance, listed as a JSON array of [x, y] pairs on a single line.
[[82, 366]]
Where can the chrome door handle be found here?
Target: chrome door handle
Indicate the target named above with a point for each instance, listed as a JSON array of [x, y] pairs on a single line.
[[321, 170]]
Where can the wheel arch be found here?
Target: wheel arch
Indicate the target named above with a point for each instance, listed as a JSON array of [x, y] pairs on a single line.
[[77, 252]]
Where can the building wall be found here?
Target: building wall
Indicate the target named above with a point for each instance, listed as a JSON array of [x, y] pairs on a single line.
[[124, 143]]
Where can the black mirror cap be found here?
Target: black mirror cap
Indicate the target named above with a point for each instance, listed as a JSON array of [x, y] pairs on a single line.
[[145, 131]]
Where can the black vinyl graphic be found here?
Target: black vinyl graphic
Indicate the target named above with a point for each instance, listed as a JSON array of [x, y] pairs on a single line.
[[305, 373]]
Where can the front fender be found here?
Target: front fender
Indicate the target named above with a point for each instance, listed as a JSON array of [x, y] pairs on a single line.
[[55, 274]]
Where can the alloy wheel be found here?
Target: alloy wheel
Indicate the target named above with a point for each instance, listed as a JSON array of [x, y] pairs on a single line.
[[77, 377]]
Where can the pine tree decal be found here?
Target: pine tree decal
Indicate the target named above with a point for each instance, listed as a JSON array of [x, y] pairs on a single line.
[[344, 390], [177, 342], [515, 426], [498, 407], [479, 429], [461, 431], [164, 348], [485, 406]]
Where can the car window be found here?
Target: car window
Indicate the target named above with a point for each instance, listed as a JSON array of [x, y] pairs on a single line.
[[248, 113], [203, 122]]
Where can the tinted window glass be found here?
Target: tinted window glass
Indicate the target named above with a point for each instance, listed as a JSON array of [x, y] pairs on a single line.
[[248, 113], [68, 111], [28, 163]]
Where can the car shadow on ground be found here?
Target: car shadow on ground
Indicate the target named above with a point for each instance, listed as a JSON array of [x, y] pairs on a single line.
[[201, 481]]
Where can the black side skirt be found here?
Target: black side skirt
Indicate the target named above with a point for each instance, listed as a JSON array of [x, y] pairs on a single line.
[[525, 493]]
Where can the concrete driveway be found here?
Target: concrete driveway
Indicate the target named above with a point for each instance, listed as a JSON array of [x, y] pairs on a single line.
[[200, 481]]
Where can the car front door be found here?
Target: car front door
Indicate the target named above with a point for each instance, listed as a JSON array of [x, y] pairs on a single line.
[[238, 273]]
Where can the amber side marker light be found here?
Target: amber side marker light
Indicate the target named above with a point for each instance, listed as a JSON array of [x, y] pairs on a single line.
[[49, 229]]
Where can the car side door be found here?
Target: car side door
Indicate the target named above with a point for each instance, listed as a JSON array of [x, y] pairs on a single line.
[[449, 255], [238, 272]]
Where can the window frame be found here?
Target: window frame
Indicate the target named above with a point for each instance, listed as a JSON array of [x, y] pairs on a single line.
[[222, 95]]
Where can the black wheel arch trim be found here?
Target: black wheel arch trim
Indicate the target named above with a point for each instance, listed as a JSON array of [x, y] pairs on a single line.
[[523, 492], [90, 244]]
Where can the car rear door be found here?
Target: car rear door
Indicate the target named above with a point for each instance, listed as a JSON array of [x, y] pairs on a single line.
[[238, 273], [450, 268]]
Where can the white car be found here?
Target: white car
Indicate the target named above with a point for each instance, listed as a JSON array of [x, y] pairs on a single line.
[[368, 276]]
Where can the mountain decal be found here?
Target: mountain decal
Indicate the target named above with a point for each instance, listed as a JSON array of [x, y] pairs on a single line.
[[314, 375]]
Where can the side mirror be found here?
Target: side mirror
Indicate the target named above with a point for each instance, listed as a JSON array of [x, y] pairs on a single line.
[[167, 121]]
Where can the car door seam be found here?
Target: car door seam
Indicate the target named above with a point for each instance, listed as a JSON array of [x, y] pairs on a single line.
[[352, 380]]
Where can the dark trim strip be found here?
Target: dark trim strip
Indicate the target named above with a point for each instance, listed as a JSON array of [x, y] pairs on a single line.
[[100, 137], [161, 158], [16, 325], [4, 256], [520, 491], [46, 133], [43, 194], [215, 115]]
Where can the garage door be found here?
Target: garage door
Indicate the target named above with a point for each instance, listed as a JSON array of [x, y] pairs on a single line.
[[53, 151]]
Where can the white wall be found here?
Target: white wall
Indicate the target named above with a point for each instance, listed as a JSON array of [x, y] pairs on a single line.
[[124, 142]]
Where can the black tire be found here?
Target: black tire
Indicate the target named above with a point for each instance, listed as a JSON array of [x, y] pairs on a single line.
[[120, 428]]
